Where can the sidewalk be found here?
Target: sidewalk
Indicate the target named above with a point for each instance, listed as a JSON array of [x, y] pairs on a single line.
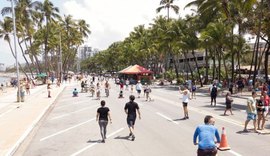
[[17, 123]]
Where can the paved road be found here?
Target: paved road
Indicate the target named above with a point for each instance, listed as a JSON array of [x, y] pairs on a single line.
[[70, 128]]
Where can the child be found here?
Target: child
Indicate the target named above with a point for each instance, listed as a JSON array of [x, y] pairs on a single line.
[[121, 94], [49, 90], [75, 92]]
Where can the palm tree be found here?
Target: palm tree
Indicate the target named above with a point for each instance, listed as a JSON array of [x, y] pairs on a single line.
[[168, 4], [6, 29], [48, 13]]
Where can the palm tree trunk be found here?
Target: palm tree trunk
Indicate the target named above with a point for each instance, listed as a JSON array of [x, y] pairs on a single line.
[[189, 67], [219, 62], [27, 63], [196, 63], [257, 48], [266, 62], [232, 53], [207, 66]]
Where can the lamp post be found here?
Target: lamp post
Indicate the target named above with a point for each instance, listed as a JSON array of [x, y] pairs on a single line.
[[16, 55]]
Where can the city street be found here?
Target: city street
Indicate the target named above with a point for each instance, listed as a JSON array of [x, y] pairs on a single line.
[[70, 128]]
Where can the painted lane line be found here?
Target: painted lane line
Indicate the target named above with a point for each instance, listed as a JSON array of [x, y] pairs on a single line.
[[207, 113], [89, 146], [202, 112], [6, 112], [65, 130], [61, 116], [234, 153], [167, 118]]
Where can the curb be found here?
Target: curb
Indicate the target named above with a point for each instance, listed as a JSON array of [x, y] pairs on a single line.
[[29, 130]]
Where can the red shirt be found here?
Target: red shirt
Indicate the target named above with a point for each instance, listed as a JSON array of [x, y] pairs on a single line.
[[266, 100]]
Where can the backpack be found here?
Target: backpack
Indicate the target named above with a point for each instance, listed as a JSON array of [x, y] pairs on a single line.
[[214, 91], [193, 88]]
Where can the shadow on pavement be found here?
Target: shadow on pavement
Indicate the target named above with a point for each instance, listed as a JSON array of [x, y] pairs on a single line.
[[93, 141], [122, 137], [181, 119]]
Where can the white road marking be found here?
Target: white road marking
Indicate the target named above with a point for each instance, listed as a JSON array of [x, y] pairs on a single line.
[[6, 112], [202, 112], [206, 113], [234, 153], [72, 104], [61, 116], [65, 130], [89, 146], [167, 118]]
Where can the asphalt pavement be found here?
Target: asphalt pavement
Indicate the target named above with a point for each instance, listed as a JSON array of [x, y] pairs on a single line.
[[65, 125]]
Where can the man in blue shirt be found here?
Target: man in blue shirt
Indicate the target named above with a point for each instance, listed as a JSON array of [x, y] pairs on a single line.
[[206, 134]]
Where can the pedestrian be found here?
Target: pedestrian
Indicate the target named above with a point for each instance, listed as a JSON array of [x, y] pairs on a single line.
[[213, 94], [147, 92], [49, 90], [139, 88], [251, 111], [127, 83], [266, 105], [131, 109], [27, 87], [206, 134], [103, 115], [131, 89], [231, 87], [98, 91], [260, 112], [193, 90], [228, 102], [185, 100], [75, 92]]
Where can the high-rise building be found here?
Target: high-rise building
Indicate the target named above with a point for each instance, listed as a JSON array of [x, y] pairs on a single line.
[[2, 67]]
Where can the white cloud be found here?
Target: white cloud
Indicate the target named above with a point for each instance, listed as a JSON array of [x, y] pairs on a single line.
[[113, 20], [110, 20]]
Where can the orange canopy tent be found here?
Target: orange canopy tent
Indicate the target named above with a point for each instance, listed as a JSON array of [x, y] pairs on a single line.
[[136, 69]]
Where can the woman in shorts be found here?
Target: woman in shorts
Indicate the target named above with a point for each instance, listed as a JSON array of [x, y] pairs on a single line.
[[228, 102], [260, 112]]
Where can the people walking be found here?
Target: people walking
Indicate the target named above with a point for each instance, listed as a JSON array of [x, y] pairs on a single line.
[[147, 92], [266, 104], [185, 100], [49, 90], [228, 102], [107, 88], [103, 116], [131, 109], [260, 113], [139, 88], [213, 94], [251, 111], [193, 90], [206, 134], [98, 91]]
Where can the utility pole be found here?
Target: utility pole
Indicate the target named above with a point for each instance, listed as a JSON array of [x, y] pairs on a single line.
[[16, 55]]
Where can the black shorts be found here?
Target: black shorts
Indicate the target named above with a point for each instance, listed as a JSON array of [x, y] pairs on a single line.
[[207, 152], [131, 121], [185, 104]]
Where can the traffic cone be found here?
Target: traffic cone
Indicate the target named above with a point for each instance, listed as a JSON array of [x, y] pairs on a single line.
[[223, 146]]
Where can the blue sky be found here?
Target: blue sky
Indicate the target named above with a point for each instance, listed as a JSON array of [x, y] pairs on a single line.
[[109, 20]]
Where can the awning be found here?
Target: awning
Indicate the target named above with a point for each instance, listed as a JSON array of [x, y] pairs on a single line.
[[136, 69]]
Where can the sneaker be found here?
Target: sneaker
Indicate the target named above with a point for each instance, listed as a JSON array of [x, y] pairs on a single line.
[[133, 138], [103, 141], [187, 117], [245, 130], [130, 134]]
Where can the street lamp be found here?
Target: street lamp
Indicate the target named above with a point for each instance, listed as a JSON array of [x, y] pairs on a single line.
[[16, 55]]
